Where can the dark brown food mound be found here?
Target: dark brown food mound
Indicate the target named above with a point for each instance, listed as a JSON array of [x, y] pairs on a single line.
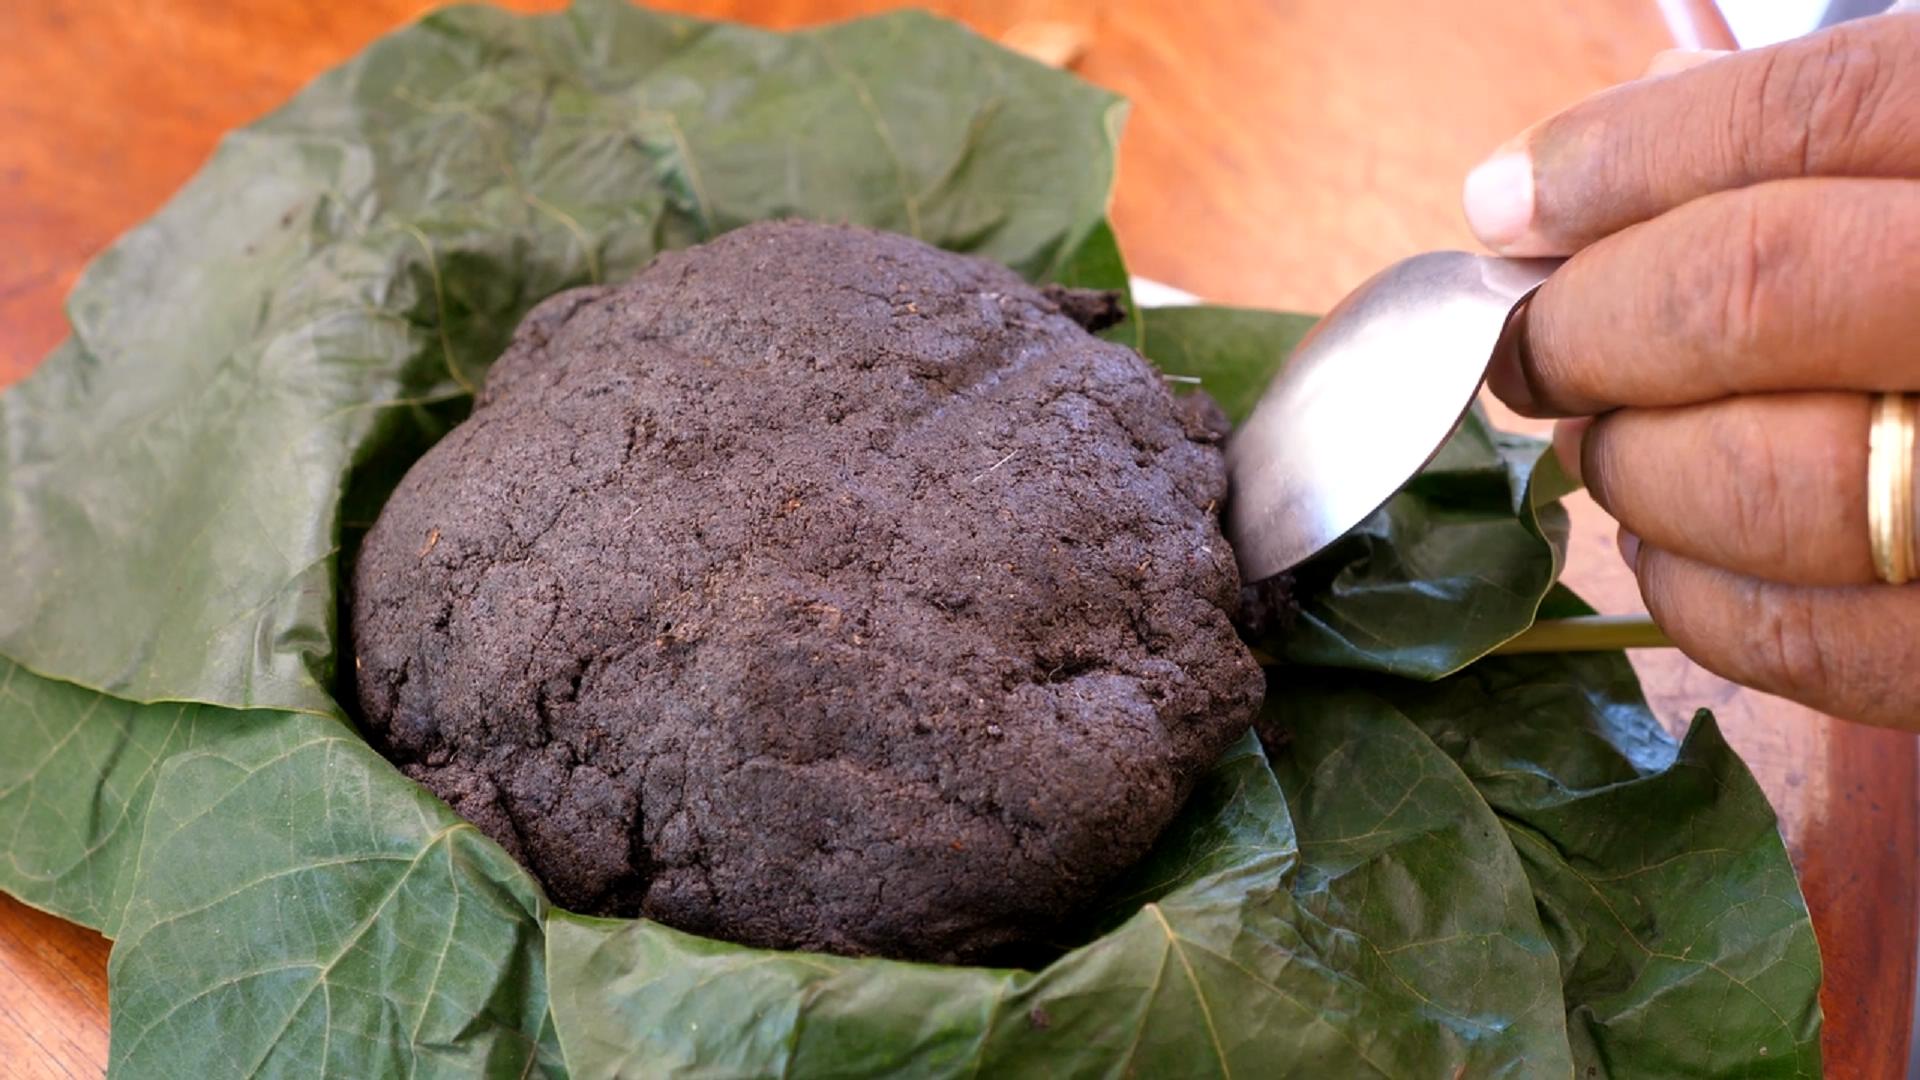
[[815, 589]]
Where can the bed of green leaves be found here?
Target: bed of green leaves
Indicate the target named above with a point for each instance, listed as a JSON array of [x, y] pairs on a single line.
[[1426, 864]]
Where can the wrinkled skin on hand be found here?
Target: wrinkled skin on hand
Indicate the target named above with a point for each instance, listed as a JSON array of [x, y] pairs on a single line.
[[816, 589], [1745, 274]]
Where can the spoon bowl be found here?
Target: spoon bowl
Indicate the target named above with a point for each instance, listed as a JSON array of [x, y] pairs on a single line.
[[1366, 400]]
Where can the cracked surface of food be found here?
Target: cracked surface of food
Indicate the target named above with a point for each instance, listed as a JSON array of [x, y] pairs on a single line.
[[815, 589]]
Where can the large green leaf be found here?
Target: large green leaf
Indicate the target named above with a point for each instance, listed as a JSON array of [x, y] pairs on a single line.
[[340, 267], [1684, 943], [75, 783], [284, 901], [1407, 865]]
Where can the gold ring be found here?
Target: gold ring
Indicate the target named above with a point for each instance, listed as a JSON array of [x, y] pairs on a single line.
[[1890, 524]]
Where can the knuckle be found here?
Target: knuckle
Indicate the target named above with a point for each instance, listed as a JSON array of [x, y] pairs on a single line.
[[1665, 590], [1809, 104], [1758, 138], [1743, 283], [1618, 467], [1723, 292], [1600, 461], [1847, 92], [1545, 355], [1794, 648], [1757, 502]]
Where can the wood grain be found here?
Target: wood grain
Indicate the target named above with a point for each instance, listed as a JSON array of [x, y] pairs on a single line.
[[1275, 155], [53, 995]]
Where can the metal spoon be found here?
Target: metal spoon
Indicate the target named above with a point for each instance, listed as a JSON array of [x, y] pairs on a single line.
[[1366, 400]]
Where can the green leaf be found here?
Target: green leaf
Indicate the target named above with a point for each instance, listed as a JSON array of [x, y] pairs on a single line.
[[74, 787], [1456, 564], [1405, 864], [344, 269], [1684, 943], [284, 901], [300, 908]]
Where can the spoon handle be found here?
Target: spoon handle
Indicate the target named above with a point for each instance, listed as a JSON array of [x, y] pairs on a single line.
[[1588, 633]]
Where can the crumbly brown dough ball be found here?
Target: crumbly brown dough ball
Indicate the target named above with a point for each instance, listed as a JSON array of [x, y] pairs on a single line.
[[815, 589]]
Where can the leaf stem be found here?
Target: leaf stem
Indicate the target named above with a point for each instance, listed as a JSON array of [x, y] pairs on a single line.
[[1588, 633]]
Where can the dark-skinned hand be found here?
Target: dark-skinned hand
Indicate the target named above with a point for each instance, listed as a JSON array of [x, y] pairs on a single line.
[[1745, 276]]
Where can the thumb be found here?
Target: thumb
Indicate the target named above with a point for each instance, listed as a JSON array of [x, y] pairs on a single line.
[[1837, 103]]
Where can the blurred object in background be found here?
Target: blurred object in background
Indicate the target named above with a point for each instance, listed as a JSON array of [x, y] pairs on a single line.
[[1763, 22], [1055, 44]]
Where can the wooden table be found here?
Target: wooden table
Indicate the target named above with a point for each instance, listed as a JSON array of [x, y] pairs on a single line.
[[1276, 154]]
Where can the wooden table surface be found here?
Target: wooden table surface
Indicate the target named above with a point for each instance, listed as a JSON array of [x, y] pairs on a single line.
[[1276, 154]]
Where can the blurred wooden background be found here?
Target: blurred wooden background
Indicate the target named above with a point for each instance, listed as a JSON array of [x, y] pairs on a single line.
[[1276, 154]]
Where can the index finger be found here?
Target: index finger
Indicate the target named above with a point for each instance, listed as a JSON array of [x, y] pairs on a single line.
[[1843, 102], [1792, 285]]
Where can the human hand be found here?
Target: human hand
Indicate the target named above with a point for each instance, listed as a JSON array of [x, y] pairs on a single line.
[[1745, 278]]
